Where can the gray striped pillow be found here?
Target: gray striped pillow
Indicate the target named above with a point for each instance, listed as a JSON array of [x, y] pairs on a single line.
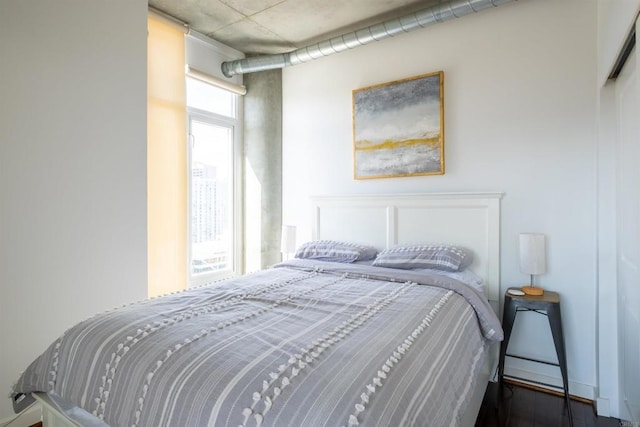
[[439, 257], [335, 251]]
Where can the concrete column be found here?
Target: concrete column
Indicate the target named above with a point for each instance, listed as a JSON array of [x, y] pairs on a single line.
[[262, 168]]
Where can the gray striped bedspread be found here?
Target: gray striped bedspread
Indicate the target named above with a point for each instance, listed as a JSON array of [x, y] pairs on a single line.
[[304, 344]]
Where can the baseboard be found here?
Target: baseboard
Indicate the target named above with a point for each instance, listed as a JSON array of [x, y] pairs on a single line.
[[577, 390], [26, 418], [603, 409]]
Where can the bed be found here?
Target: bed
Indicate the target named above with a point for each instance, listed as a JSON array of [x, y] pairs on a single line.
[[308, 342]]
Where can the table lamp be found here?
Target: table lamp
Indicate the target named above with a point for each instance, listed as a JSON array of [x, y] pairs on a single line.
[[288, 241], [532, 259]]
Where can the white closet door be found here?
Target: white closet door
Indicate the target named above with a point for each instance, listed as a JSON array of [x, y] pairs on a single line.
[[628, 232]]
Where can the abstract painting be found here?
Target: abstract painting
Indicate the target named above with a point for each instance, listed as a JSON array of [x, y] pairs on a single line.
[[398, 128]]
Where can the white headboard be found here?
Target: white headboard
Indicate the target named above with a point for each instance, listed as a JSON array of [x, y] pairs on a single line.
[[471, 220]]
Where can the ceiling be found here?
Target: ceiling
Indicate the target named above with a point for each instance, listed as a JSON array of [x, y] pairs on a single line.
[[278, 26]]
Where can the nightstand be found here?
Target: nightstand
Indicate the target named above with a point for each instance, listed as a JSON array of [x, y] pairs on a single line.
[[547, 304]]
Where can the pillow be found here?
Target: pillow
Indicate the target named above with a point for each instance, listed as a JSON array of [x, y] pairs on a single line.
[[331, 250], [439, 257]]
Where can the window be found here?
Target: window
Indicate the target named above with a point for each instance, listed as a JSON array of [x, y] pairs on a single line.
[[213, 182], [206, 97]]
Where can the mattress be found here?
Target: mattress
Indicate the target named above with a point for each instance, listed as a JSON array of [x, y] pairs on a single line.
[[305, 343]]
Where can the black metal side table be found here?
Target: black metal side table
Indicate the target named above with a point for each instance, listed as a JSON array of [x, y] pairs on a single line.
[[549, 305]]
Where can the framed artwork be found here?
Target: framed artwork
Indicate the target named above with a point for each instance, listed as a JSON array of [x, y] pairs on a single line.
[[398, 128]]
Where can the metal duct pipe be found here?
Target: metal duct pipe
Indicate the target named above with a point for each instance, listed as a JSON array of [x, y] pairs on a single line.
[[441, 12]]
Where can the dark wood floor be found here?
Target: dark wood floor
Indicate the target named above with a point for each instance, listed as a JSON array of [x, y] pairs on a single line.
[[522, 407]]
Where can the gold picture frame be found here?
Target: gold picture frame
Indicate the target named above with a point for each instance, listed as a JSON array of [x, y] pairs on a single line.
[[398, 128]]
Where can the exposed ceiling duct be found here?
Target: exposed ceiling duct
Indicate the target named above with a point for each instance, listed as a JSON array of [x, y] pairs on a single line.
[[439, 13]]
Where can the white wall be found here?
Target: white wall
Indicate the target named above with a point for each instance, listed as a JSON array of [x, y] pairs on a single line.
[[520, 109], [72, 169]]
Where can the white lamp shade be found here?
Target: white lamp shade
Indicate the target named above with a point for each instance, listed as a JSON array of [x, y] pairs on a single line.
[[288, 242], [533, 259]]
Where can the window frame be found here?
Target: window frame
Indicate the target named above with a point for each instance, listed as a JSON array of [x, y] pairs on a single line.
[[234, 124]]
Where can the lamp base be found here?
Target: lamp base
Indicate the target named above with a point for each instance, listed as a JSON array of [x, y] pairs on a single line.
[[532, 290]]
